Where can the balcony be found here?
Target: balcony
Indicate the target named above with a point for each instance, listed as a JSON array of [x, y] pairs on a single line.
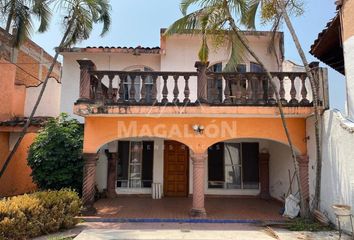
[[202, 91]]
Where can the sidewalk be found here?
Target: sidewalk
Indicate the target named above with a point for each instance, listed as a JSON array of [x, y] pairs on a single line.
[[186, 231]]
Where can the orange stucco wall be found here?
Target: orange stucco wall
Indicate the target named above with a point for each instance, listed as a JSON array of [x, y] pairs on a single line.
[[16, 180], [101, 130], [18, 102], [347, 18], [7, 82]]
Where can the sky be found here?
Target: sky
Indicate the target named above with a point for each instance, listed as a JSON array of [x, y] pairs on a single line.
[[138, 22]]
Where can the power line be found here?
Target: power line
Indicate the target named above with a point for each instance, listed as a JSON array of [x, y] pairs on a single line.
[[39, 80], [9, 63]]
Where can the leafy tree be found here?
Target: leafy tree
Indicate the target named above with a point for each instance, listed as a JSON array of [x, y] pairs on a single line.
[[80, 16], [20, 14], [55, 155], [221, 16]]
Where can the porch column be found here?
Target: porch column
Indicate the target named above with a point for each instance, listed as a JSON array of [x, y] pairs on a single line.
[[202, 82], [303, 163], [111, 174], [85, 78], [264, 174], [88, 188], [198, 160]]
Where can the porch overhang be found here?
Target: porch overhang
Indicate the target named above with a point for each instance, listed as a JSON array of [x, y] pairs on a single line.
[[102, 130], [86, 110], [328, 45]]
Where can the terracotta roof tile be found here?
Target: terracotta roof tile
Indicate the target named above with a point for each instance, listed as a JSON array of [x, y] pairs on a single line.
[[21, 121]]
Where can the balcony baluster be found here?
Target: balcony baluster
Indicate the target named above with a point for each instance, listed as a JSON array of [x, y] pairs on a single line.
[[186, 90], [260, 90], [154, 89], [293, 92], [283, 101], [164, 90], [143, 89], [249, 91], [132, 89], [227, 99], [110, 89], [175, 89], [304, 101]]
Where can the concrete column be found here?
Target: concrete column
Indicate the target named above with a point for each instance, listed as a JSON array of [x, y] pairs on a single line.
[[264, 175], [303, 163], [202, 82], [111, 174], [198, 160], [88, 188], [85, 79]]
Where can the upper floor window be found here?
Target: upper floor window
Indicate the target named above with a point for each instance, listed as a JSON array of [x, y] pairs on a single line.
[[241, 68], [137, 85], [255, 67]]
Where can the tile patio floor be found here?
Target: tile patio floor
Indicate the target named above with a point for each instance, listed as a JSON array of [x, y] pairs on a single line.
[[178, 208]]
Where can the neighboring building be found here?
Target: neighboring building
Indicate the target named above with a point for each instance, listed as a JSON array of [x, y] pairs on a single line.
[[156, 118], [335, 47], [22, 71]]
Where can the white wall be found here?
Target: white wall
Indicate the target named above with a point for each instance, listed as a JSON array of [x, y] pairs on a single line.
[[337, 186], [101, 169], [279, 164], [50, 103]]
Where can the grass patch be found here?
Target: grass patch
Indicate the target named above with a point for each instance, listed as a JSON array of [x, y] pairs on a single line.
[[306, 225], [60, 238]]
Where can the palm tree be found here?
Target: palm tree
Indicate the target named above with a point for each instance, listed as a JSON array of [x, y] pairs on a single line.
[[275, 11], [214, 16], [79, 20], [20, 13]]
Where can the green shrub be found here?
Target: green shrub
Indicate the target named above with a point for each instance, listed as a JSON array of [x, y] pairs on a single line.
[[55, 155], [32, 215], [308, 225]]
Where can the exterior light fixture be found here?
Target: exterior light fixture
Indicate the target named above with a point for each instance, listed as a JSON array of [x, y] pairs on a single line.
[[198, 129]]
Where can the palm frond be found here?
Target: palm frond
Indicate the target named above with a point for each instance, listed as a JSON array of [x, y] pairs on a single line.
[[42, 11], [81, 15], [203, 54], [249, 16], [23, 24], [185, 4], [237, 54]]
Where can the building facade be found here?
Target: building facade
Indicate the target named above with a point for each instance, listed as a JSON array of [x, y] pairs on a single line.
[[22, 72], [160, 123]]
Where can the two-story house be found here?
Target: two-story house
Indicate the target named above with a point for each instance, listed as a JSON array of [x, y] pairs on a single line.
[[158, 122]]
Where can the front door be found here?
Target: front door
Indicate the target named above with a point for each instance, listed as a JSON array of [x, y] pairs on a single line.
[[176, 157]]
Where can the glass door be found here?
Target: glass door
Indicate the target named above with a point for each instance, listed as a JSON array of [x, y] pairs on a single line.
[[135, 165]]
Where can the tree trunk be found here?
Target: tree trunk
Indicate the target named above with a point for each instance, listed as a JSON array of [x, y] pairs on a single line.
[[270, 81], [29, 120], [314, 86]]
